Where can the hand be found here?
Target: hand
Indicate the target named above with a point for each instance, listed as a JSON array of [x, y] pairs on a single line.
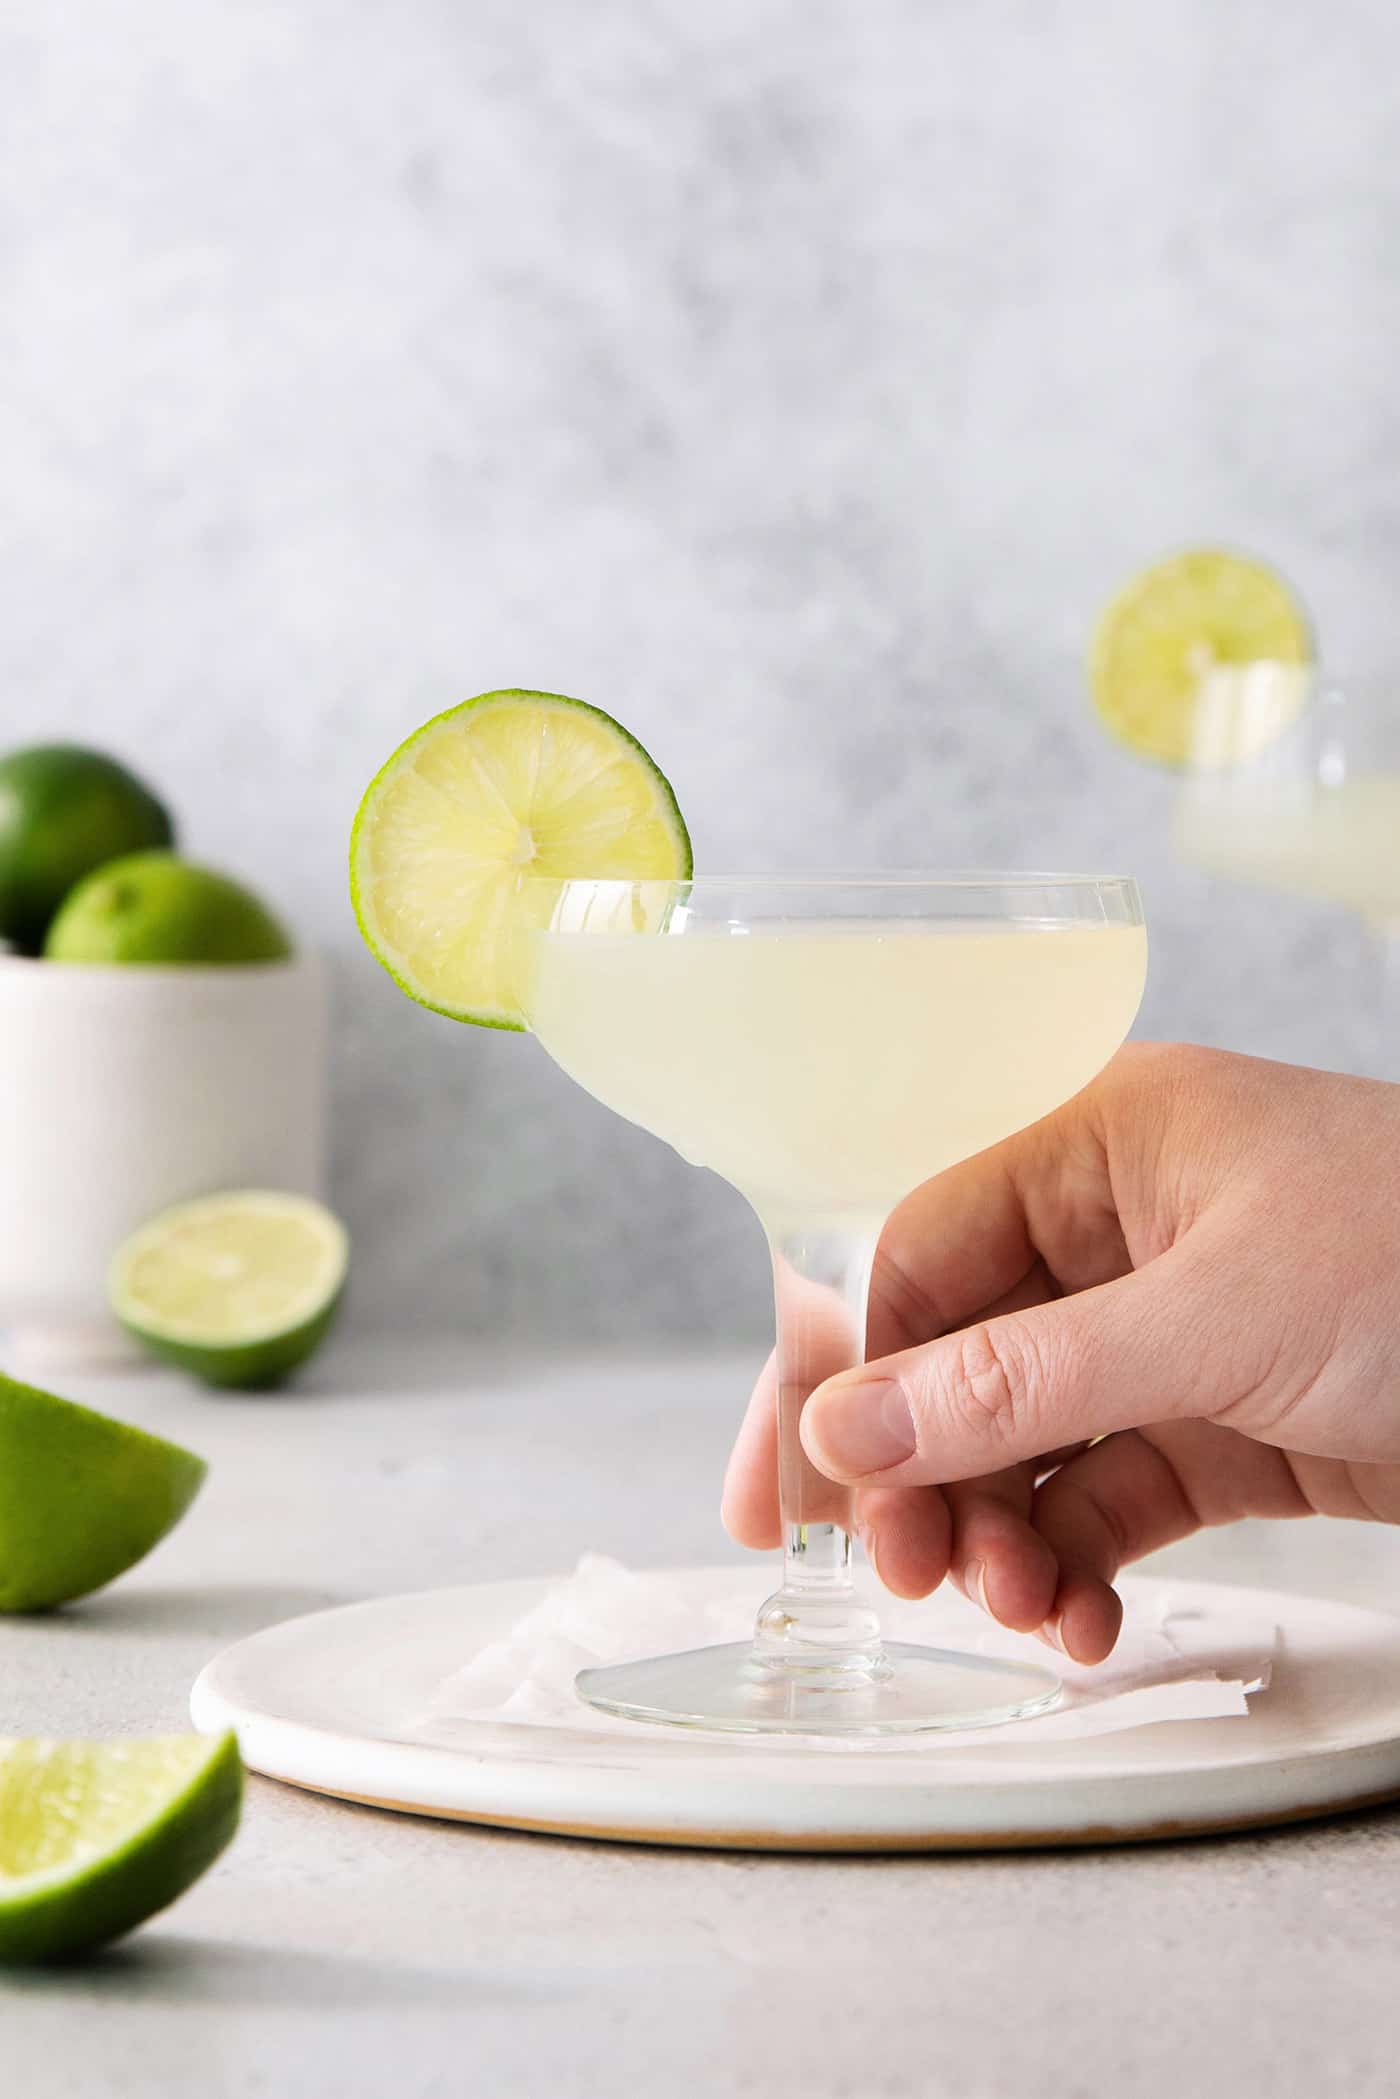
[[1197, 1260]]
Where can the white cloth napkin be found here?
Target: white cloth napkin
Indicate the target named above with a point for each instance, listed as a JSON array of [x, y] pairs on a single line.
[[1171, 1663]]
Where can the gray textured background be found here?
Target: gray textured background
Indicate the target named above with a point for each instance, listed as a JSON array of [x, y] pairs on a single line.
[[793, 378]]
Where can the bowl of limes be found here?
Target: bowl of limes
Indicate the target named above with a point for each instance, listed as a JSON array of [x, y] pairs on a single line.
[[161, 1039]]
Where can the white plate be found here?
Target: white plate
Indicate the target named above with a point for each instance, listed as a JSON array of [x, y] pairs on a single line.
[[328, 1702]]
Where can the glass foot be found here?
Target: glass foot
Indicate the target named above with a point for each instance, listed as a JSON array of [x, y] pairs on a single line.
[[729, 1689]]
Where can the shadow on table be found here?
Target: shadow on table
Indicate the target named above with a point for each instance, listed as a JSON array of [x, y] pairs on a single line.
[[180, 1967], [406, 1365], [224, 1609]]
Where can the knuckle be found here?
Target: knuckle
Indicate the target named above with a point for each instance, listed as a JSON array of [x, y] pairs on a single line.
[[997, 1383]]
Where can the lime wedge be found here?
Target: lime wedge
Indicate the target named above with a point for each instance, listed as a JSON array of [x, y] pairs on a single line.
[[454, 829], [238, 1289], [1174, 629], [82, 1497], [95, 1837]]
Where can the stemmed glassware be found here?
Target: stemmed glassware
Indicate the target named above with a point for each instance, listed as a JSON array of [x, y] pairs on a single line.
[[827, 1044], [1294, 785]]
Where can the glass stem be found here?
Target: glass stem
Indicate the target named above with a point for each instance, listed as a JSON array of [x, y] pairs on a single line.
[[815, 1623]]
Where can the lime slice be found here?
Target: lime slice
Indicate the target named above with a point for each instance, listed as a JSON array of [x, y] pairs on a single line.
[[238, 1289], [82, 1497], [95, 1837], [454, 831], [1177, 627]]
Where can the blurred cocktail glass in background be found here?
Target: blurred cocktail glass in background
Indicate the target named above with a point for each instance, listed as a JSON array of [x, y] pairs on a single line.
[[1293, 784]]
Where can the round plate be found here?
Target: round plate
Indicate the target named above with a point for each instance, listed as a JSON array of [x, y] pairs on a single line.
[[329, 1702]]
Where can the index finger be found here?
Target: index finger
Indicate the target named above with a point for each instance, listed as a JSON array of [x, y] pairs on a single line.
[[970, 1236]]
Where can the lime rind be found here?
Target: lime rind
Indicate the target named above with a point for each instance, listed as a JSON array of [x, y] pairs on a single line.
[[77, 1903], [544, 881], [1168, 636], [253, 1366]]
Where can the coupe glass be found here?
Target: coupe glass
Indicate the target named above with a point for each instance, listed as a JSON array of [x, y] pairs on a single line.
[[1294, 785], [826, 1044]]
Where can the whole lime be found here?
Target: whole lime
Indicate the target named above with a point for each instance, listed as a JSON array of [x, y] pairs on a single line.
[[63, 811], [153, 907]]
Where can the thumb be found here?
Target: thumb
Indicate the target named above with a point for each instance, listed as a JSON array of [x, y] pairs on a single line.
[[1144, 1348]]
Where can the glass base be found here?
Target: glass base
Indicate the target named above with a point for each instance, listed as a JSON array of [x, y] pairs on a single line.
[[731, 1690]]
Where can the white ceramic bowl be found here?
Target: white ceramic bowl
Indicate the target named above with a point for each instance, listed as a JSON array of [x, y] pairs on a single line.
[[124, 1089]]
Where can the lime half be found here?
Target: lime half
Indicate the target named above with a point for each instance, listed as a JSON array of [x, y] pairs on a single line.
[[82, 1497], [238, 1289], [1173, 631], [456, 829], [95, 1837]]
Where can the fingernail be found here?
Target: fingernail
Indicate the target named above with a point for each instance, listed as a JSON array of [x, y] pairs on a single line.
[[975, 1583], [863, 1428], [867, 1541], [1051, 1634]]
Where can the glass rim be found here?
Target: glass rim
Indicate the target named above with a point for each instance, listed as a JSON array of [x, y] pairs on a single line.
[[1327, 675], [913, 878]]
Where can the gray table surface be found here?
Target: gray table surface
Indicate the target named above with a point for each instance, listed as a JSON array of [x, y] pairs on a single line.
[[344, 1952]]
